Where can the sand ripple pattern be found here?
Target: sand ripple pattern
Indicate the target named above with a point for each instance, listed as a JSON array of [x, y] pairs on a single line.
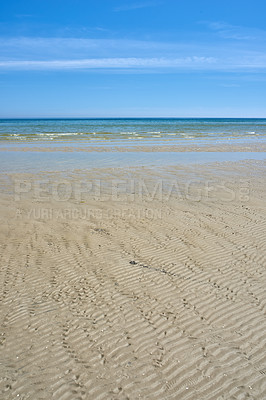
[[135, 308]]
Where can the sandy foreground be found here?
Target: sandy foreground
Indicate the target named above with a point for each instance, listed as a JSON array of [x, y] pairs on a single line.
[[149, 285]]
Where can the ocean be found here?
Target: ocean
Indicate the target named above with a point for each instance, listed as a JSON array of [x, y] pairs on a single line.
[[28, 145], [131, 129]]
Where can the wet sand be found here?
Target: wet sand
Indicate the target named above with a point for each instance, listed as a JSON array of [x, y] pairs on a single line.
[[151, 287], [162, 146]]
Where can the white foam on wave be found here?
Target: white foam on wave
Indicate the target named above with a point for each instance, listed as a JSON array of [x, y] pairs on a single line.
[[59, 134]]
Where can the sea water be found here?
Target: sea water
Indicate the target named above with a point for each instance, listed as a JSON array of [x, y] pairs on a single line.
[[131, 129], [86, 134]]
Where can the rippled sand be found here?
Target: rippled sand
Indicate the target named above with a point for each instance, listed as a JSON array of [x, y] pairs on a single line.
[[126, 293]]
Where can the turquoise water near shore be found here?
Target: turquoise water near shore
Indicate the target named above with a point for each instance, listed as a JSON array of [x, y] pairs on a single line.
[[132, 129]]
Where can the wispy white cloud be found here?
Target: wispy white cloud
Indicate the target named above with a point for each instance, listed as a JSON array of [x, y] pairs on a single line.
[[57, 53], [109, 63], [79, 43], [135, 6], [138, 63], [56, 47], [229, 85], [227, 31]]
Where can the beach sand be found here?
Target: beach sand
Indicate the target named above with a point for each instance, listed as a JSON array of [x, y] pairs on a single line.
[[151, 287]]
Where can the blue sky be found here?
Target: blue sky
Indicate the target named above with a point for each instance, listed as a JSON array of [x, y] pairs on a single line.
[[119, 58]]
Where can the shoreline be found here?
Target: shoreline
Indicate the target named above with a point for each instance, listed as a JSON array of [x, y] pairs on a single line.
[[58, 158], [193, 146]]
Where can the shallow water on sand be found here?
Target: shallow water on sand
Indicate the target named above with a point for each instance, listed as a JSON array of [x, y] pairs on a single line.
[[21, 161]]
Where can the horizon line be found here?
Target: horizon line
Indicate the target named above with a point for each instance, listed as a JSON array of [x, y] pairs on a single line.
[[131, 117]]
